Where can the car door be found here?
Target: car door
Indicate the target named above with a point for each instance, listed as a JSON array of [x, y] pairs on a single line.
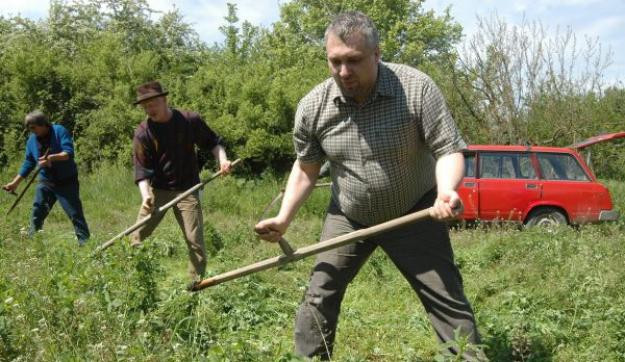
[[468, 188], [507, 184], [566, 184]]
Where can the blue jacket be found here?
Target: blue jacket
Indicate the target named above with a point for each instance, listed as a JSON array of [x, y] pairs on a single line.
[[60, 140]]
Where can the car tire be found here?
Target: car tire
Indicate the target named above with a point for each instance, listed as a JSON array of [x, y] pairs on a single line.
[[547, 217]]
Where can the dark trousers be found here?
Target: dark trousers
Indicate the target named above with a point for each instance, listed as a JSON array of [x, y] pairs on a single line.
[[68, 196], [421, 251]]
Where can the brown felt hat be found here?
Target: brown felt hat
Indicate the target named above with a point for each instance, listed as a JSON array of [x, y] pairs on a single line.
[[149, 90]]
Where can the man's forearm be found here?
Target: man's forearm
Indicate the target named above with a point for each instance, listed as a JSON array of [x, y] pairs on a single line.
[[219, 152], [17, 179], [301, 182], [61, 156], [449, 171], [144, 188]]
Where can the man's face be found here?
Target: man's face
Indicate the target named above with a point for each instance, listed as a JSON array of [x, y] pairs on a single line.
[[353, 64], [39, 131], [155, 108]]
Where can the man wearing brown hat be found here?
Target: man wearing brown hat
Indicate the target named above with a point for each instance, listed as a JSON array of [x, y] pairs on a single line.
[[166, 165]]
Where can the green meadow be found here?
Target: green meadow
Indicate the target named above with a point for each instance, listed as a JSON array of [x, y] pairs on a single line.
[[538, 295]]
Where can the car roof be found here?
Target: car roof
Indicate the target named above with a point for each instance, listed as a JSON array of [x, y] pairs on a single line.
[[519, 148]]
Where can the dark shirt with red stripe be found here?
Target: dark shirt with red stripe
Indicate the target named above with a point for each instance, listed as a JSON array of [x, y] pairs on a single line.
[[165, 153]]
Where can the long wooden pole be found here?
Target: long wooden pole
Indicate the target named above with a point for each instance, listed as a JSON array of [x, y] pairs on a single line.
[[19, 197], [161, 209], [35, 173], [284, 245], [313, 249]]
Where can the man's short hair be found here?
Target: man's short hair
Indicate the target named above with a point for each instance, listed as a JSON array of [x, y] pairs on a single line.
[[36, 118], [347, 24]]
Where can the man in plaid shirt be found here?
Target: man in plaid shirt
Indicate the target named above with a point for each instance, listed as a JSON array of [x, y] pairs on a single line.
[[393, 149]]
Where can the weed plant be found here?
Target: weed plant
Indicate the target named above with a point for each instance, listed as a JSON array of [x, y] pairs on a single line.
[[538, 295]]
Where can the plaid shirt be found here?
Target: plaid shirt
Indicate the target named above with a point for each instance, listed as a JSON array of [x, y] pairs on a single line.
[[382, 153]]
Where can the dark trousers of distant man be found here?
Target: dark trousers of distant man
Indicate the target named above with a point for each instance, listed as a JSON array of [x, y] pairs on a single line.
[[421, 251], [67, 193]]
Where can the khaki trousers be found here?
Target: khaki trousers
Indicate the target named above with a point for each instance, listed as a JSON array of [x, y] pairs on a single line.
[[188, 213]]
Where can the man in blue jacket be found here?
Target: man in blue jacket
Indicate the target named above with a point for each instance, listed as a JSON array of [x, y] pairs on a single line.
[[50, 147]]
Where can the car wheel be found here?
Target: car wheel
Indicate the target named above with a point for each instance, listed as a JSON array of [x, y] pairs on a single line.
[[547, 218]]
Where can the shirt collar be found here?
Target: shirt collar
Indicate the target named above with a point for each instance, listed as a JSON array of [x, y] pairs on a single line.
[[335, 93], [383, 86]]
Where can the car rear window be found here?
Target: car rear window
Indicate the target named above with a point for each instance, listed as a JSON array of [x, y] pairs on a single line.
[[561, 166], [506, 165]]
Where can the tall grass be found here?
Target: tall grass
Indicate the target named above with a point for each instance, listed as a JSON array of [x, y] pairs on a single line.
[[538, 296]]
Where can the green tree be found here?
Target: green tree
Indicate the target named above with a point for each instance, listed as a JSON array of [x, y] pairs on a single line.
[[80, 66], [408, 34], [530, 87], [251, 86]]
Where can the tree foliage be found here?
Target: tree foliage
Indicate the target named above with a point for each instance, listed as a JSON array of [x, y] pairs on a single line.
[[82, 62], [80, 66], [530, 87]]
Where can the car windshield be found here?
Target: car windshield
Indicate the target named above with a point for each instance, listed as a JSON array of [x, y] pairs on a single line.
[[557, 166]]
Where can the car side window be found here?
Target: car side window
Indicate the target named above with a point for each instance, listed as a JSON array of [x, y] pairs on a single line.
[[469, 164], [526, 168], [489, 165], [506, 165], [559, 166]]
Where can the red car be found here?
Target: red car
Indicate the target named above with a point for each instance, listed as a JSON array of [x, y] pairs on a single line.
[[532, 185]]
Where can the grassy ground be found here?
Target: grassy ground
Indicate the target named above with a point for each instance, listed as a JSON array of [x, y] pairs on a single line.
[[538, 296]]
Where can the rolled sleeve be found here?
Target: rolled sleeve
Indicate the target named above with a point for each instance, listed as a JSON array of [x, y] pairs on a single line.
[[65, 141], [307, 146], [205, 138], [29, 161], [439, 129]]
